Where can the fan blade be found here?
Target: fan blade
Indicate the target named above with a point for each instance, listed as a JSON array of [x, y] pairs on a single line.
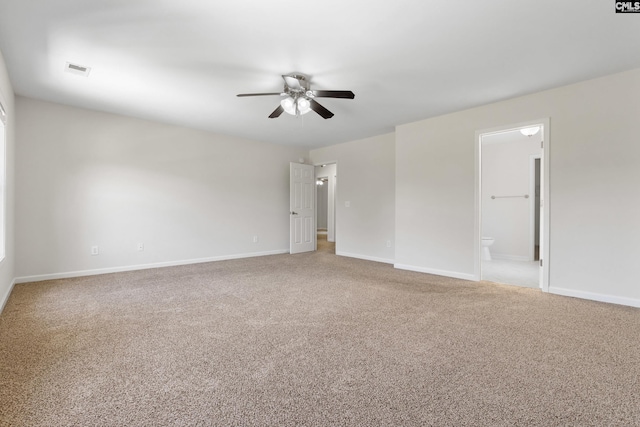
[[326, 114], [276, 113], [334, 94], [258, 94]]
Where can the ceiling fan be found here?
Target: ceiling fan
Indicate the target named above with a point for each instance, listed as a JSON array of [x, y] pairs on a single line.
[[299, 98]]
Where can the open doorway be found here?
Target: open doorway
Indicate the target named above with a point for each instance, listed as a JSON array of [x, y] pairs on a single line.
[[535, 202], [322, 203], [511, 214], [326, 178]]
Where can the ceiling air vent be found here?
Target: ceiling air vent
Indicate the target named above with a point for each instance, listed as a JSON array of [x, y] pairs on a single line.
[[77, 69]]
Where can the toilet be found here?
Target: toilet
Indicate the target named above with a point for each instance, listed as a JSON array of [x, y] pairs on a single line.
[[486, 242]]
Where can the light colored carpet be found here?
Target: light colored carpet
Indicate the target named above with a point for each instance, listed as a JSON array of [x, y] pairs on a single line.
[[311, 340]]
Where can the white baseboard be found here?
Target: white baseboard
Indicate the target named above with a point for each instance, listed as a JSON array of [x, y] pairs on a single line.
[[69, 274], [595, 297], [508, 257], [6, 296], [454, 274], [365, 257]]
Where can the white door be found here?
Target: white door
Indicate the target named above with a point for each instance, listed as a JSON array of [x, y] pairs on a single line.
[[302, 211]]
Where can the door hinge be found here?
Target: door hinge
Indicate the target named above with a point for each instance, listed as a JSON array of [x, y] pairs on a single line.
[[541, 144], [540, 262]]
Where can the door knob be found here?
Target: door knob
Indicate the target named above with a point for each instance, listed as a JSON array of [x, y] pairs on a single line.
[[293, 213]]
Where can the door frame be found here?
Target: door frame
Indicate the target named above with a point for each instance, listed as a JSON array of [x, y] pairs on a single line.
[[544, 217]]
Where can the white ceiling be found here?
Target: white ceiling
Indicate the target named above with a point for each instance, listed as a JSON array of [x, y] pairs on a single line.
[[183, 62]]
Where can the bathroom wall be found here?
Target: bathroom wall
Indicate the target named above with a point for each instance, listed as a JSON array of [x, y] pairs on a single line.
[[506, 171]]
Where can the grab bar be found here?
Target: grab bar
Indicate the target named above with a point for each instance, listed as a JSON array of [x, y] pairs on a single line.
[[526, 196]]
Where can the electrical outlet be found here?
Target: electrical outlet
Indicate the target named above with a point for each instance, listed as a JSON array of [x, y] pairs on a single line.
[[255, 239], [388, 243], [140, 246], [347, 204], [94, 250]]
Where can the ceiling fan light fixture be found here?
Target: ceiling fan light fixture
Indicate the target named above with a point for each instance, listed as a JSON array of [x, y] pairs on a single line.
[[304, 106], [297, 106], [289, 105], [530, 131]]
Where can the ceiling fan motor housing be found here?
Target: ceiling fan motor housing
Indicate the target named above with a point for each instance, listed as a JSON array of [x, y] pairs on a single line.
[[297, 85]]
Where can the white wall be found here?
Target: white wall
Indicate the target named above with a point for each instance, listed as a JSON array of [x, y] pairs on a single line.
[[366, 179], [594, 174], [7, 265], [506, 171], [87, 178]]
